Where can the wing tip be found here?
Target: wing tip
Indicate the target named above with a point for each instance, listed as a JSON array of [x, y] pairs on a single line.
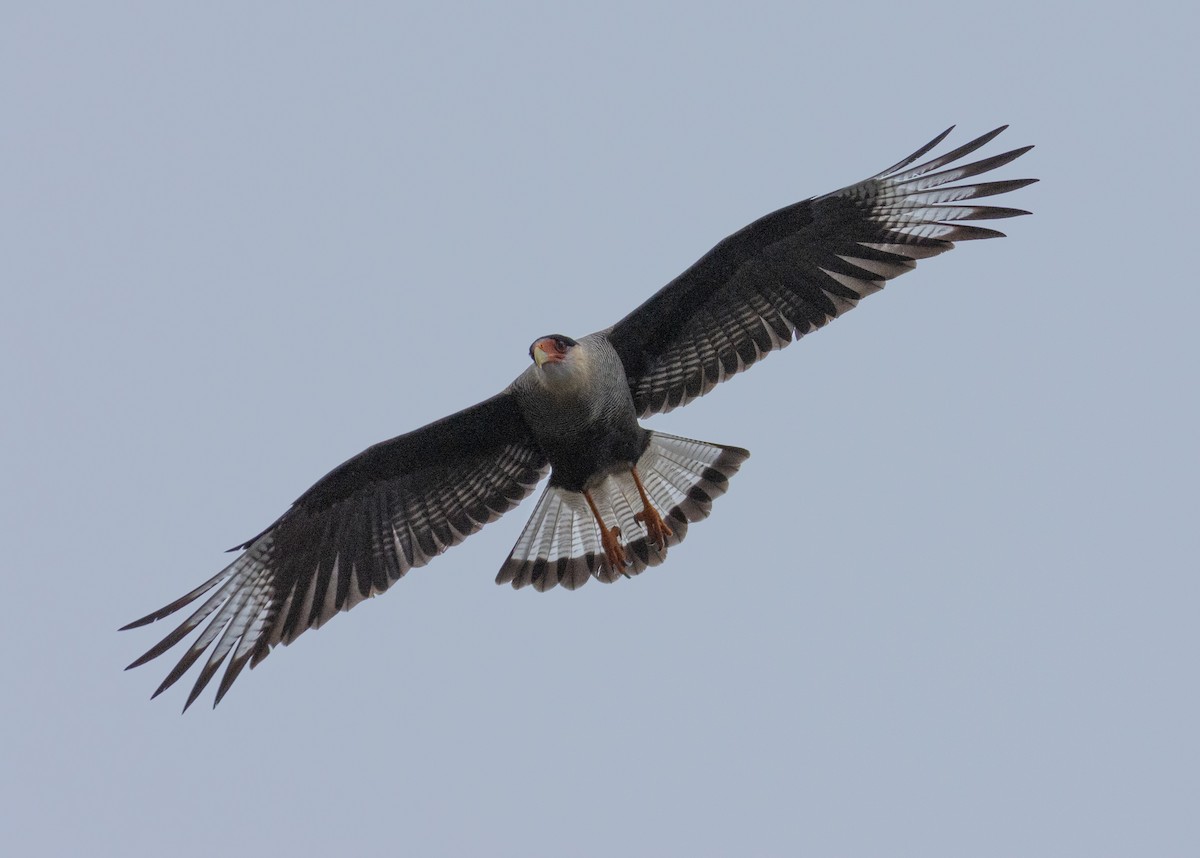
[[155, 616]]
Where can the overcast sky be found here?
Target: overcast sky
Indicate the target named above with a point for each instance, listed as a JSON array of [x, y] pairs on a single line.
[[948, 607]]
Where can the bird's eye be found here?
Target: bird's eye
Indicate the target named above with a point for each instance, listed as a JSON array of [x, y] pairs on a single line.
[[561, 343]]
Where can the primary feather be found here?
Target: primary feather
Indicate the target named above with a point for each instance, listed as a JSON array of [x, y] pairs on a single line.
[[574, 413]]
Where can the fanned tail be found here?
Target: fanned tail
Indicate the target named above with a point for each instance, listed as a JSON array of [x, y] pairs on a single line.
[[561, 541]]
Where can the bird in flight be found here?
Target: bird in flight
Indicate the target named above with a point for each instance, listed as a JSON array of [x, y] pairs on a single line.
[[619, 495]]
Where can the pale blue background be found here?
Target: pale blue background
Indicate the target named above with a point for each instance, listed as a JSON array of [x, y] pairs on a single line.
[[947, 609]]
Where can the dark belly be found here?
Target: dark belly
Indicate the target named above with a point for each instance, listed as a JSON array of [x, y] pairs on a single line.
[[584, 458]]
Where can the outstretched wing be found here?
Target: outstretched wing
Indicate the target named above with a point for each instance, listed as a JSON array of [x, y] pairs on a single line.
[[392, 507], [794, 270]]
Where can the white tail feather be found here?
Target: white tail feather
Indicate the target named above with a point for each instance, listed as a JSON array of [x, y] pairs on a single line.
[[561, 541]]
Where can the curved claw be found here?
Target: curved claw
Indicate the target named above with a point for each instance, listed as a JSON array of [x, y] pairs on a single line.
[[657, 530], [614, 552]]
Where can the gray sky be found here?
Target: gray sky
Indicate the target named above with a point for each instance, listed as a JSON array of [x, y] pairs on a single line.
[[947, 608]]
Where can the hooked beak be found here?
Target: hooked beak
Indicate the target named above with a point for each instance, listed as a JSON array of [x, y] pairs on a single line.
[[546, 351]]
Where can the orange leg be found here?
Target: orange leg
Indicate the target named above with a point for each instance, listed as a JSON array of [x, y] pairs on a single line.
[[656, 529], [614, 553]]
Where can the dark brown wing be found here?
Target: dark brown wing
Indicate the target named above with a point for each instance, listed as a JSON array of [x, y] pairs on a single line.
[[794, 270], [392, 507]]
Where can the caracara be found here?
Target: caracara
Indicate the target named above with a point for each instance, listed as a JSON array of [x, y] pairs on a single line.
[[619, 495]]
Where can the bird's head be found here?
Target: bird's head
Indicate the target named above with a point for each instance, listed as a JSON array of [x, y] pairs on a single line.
[[550, 350]]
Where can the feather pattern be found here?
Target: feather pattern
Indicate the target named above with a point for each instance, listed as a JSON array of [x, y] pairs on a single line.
[[560, 544], [794, 270], [398, 504], [351, 536]]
